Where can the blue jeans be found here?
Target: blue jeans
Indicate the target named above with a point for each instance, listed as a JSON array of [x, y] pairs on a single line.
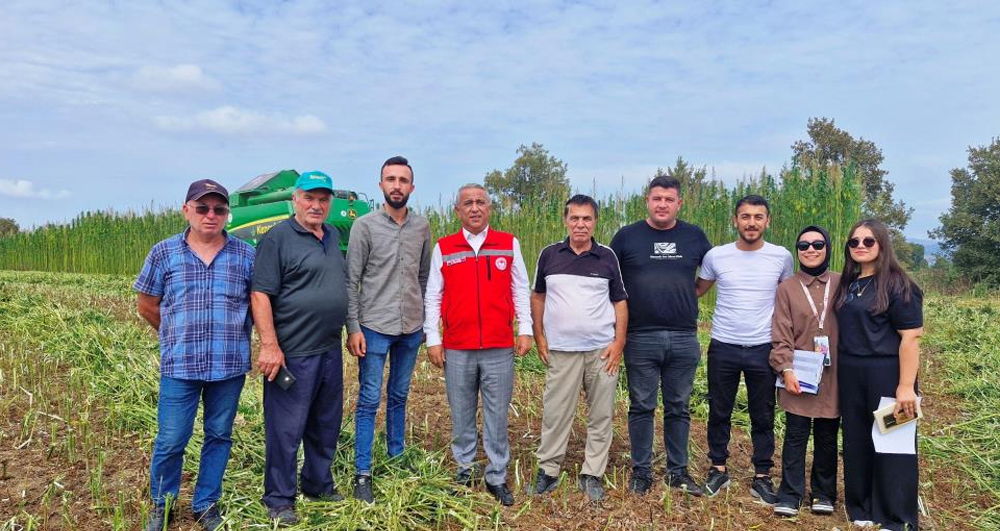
[[176, 409], [402, 353], [666, 361]]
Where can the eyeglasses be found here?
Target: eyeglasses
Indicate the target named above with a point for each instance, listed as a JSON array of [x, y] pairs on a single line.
[[869, 242], [804, 245], [219, 210]]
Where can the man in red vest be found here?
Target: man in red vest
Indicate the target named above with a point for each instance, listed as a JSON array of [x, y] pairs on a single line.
[[478, 284]]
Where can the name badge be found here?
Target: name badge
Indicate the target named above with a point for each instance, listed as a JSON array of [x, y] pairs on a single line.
[[822, 345]]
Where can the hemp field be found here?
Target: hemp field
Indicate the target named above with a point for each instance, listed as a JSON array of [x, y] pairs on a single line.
[[78, 381]]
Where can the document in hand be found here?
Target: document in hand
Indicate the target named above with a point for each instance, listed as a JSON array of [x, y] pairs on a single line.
[[901, 440], [887, 422], [808, 367]]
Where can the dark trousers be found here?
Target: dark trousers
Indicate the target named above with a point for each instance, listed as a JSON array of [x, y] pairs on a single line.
[[877, 487], [823, 480], [660, 361], [308, 413], [725, 364]]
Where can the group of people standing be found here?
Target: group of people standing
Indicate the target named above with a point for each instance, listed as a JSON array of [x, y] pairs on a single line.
[[588, 307]]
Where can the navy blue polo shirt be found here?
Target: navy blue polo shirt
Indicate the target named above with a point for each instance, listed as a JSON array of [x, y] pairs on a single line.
[[306, 279]]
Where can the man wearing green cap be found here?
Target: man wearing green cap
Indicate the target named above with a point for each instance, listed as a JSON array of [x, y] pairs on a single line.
[[299, 302]]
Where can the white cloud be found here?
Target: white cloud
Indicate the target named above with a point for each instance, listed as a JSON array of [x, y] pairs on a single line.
[[179, 78], [230, 120], [22, 188]]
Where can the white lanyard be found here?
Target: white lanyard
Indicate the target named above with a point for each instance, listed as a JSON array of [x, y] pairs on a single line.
[[826, 299]]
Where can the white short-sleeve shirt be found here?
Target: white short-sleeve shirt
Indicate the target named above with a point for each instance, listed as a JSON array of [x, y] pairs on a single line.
[[746, 282]]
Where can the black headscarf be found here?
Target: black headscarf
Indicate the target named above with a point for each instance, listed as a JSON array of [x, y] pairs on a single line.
[[820, 269]]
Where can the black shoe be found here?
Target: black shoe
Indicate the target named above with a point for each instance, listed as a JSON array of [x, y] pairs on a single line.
[[332, 496], [822, 506], [592, 486], [363, 488], [544, 483], [640, 485], [501, 493], [159, 519], [762, 489], [284, 515], [470, 475], [786, 508], [716, 481], [209, 519], [685, 483]]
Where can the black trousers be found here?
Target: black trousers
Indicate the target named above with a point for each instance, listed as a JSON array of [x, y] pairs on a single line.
[[877, 487], [309, 414], [725, 364], [823, 480]]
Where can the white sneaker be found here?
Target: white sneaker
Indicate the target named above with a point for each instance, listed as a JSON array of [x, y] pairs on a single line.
[[863, 523]]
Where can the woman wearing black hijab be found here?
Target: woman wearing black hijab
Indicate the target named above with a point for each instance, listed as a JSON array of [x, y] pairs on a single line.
[[804, 320]]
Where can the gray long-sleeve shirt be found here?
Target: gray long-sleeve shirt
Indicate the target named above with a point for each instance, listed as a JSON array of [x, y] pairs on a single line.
[[387, 269]]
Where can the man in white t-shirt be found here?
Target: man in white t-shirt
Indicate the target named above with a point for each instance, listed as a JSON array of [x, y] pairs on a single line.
[[747, 272]]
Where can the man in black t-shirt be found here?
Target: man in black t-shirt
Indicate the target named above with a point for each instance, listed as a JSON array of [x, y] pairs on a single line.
[[659, 257]]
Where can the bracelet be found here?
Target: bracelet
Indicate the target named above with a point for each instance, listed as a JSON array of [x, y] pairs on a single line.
[[786, 370]]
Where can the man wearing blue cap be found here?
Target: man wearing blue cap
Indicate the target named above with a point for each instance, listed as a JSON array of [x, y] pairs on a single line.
[[299, 302], [194, 290]]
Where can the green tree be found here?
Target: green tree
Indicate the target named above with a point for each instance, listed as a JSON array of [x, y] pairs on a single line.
[[829, 144], [970, 230], [8, 227], [689, 176], [535, 176]]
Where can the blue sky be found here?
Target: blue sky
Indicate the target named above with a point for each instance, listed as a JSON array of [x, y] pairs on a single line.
[[122, 104]]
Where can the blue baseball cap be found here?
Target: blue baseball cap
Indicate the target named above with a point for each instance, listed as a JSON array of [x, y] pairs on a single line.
[[314, 180]]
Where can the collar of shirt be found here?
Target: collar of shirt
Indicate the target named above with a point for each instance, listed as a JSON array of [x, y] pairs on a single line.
[[302, 230], [475, 240], [808, 279], [393, 221], [565, 246]]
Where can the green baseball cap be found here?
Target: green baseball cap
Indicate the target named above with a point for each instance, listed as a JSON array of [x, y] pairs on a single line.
[[313, 180]]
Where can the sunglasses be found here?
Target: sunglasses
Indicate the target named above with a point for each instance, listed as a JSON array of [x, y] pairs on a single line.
[[804, 245], [853, 243], [219, 210]]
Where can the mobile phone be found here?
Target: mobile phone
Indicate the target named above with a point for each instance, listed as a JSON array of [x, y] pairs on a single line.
[[285, 379]]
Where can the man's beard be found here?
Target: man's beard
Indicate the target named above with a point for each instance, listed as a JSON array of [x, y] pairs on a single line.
[[395, 204], [743, 236]]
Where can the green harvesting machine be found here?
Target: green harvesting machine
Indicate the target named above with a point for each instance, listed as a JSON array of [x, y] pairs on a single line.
[[266, 200]]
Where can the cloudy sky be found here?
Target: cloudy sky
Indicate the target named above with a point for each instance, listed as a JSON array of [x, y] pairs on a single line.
[[121, 104]]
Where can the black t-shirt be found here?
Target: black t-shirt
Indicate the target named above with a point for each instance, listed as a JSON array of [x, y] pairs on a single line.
[[659, 268], [307, 281], [864, 334]]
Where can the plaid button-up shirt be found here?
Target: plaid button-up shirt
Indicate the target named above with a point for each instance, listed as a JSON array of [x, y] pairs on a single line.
[[205, 319]]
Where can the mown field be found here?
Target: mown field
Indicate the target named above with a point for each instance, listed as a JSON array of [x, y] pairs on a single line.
[[78, 383]]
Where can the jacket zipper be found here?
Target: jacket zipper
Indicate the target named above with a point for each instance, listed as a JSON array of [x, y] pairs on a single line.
[[479, 304]]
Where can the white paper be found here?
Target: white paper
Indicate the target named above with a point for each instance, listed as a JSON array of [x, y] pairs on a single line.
[[902, 440], [808, 367]]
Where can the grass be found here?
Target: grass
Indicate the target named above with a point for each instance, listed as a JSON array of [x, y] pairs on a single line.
[[78, 382]]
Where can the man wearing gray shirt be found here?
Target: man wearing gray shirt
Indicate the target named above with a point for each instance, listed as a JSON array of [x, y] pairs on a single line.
[[747, 272], [388, 260]]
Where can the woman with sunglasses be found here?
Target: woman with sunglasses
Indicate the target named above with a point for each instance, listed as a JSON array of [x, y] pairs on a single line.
[[880, 314], [803, 320]]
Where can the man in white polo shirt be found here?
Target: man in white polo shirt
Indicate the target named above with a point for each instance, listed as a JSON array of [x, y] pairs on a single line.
[[747, 272], [579, 317]]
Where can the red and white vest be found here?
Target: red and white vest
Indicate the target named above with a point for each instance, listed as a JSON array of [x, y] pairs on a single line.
[[477, 308]]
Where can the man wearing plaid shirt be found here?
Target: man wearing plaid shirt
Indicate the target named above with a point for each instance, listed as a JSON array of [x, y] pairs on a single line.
[[194, 289]]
